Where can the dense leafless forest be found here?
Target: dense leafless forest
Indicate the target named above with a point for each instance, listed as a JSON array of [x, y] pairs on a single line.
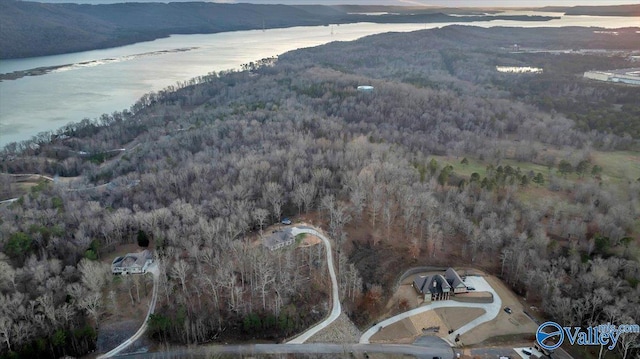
[[445, 160]]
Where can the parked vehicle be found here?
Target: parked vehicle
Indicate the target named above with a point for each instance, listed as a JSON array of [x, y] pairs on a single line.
[[286, 221], [508, 310]]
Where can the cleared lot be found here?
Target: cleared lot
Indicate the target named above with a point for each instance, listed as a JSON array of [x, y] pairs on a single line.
[[475, 322], [456, 317], [503, 324], [491, 311]]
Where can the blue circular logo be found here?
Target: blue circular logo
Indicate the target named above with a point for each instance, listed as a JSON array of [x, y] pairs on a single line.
[[555, 330]]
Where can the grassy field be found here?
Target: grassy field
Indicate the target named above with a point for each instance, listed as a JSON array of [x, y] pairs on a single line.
[[19, 188], [480, 167], [616, 166], [620, 165], [540, 197]]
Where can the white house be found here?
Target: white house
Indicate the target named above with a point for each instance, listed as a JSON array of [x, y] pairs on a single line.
[[132, 263], [278, 239]]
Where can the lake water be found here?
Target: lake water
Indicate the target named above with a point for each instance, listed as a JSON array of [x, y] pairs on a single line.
[[113, 79]]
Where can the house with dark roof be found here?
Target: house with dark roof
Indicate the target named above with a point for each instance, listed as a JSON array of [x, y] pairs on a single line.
[[438, 286], [455, 281], [432, 287]]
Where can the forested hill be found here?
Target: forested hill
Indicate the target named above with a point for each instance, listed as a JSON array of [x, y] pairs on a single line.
[[35, 29], [612, 10]]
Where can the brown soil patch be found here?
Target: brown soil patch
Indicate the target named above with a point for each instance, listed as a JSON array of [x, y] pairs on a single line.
[[340, 331], [473, 294], [396, 333], [123, 308], [310, 240], [405, 295], [121, 250], [455, 318], [424, 320], [407, 330]]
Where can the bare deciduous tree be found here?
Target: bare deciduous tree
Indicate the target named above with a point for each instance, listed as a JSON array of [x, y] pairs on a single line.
[[179, 270], [94, 274], [274, 195], [260, 215]]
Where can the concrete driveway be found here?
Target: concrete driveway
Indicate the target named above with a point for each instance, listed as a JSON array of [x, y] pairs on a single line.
[[491, 311], [155, 271], [336, 308]]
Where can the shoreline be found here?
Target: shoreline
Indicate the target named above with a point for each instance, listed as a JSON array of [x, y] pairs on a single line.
[[37, 71], [434, 18], [123, 91]]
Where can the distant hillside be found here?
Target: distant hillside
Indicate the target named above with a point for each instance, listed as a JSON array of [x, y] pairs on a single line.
[[414, 9], [620, 10], [613, 10], [35, 29]]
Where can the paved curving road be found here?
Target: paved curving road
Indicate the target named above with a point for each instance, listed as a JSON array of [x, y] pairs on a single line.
[[433, 348], [335, 307], [444, 352], [491, 311], [10, 200], [153, 268], [30, 175]]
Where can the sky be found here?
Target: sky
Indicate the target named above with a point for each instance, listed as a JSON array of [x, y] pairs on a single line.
[[446, 3]]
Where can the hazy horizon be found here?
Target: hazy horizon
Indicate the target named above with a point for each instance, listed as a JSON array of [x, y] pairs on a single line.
[[439, 3]]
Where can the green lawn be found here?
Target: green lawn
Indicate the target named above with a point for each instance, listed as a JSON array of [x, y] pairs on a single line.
[[458, 168], [475, 165], [618, 166], [299, 238]]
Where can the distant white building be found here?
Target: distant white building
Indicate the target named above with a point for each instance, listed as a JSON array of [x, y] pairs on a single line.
[[597, 75], [629, 79], [625, 76], [519, 69], [365, 88], [132, 263]]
